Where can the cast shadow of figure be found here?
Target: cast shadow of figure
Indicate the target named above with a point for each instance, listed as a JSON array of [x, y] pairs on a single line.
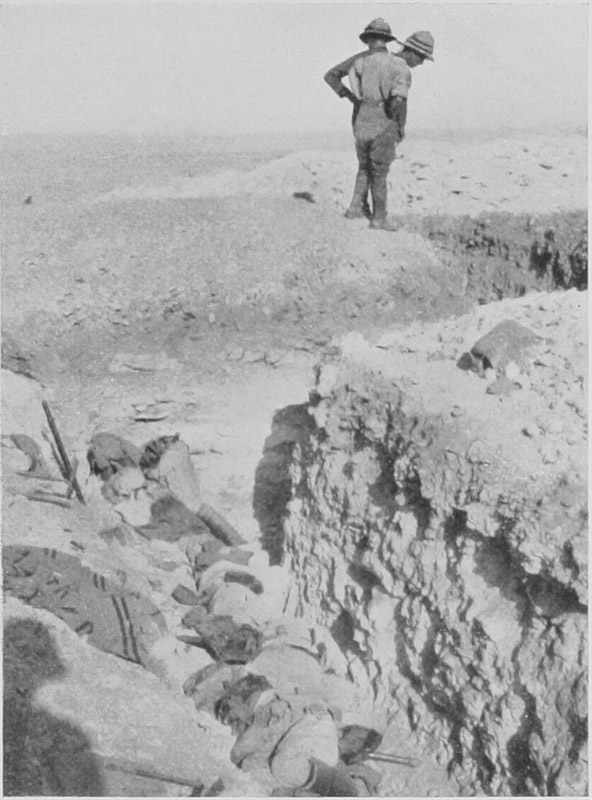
[[43, 755], [291, 426]]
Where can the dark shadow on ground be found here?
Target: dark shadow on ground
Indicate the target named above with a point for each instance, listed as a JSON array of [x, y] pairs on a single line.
[[43, 755], [291, 426]]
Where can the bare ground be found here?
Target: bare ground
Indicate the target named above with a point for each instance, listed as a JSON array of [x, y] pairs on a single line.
[[230, 294]]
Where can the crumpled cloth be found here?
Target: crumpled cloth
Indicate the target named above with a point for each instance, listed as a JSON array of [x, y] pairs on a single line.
[[207, 686], [222, 637], [236, 706], [287, 731], [108, 453], [175, 473], [123, 623], [170, 520]]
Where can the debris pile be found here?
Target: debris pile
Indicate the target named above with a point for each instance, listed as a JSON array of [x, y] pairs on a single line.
[[438, 526]]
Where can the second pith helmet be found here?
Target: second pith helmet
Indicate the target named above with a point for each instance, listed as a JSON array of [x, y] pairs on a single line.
[[421, 42], [378, 27]]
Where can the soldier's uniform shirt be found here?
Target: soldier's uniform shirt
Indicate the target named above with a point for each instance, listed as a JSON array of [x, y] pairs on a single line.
[[378, 76], [377, 72], [375, 76]]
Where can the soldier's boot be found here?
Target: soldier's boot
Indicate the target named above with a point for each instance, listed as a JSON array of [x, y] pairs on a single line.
[[359, 207], [380, 220]]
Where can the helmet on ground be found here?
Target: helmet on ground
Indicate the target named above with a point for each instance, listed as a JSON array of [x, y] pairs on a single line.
[[378, 27], [421, 42]]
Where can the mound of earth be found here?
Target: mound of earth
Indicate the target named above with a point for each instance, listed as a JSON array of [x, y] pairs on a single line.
[[438, 525], [534, 174]]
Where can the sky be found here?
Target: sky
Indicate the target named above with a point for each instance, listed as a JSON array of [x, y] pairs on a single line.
[[253, 67]]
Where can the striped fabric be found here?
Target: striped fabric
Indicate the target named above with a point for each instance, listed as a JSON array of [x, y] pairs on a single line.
[[123, 623]]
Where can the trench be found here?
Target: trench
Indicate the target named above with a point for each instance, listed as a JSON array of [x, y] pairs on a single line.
[[435, 658], [493, 258]]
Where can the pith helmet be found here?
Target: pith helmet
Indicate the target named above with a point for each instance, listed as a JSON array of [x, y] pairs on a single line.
[[378, 27], [421, 42]]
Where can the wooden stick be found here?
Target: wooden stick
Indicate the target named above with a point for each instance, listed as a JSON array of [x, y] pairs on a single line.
[[148, 771], [71, 475], [405, 761], [56, 499]]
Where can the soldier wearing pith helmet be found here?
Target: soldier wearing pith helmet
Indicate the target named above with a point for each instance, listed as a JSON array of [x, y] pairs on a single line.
[[380, 83]]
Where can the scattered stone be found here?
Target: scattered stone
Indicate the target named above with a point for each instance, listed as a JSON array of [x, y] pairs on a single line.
[[153, 412], [502, 386], [508, 341], [531, 430], [273, 357], [553, 426], [235, 354], [549, 452], [14, 357], [304, 196], [253, 356], [512, 371], [185, 596]]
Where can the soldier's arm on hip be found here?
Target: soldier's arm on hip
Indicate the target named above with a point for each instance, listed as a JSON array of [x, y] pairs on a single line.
[[337, 73]]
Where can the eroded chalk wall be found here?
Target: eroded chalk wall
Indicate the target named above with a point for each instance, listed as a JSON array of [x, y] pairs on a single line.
[[439, 529]]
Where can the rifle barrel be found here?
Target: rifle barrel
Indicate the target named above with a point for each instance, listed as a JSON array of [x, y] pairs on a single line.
[[405, 761], [62, 451]]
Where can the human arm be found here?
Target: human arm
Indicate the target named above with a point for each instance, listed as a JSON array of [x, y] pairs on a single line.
[[396, 109], [334, 77], [396, 89]]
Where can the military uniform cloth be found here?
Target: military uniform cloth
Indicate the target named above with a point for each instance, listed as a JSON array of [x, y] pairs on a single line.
[[223, 638], [336, 74], [125, 624], [108, 454], [289, 726], [378, 76]]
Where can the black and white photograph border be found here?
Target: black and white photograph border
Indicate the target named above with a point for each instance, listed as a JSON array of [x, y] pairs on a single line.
[[293, 400]]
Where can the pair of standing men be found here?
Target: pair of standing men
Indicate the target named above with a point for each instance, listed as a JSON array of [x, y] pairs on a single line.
[[380, 83]]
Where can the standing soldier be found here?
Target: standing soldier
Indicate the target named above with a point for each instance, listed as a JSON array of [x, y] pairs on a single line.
[[380, 84]]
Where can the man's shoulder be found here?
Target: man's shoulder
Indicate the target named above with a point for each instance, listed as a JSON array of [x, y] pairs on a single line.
[[389, 60], [399, 63]]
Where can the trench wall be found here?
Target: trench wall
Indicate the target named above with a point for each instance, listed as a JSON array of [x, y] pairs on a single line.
[[452, 576]]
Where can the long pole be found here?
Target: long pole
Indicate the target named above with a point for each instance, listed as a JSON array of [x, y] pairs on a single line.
[[62, 451]]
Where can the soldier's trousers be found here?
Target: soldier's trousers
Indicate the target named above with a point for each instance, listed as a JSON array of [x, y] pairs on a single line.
[[376, 138]]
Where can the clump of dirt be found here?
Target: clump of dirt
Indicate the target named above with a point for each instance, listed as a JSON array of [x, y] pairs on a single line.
[[438, 525]]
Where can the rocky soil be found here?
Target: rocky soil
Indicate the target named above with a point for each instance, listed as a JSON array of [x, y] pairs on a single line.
[[449, 520], [438, 524]]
